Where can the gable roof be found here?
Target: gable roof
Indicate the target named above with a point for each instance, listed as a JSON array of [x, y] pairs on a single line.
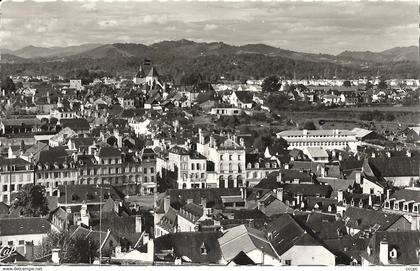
[[406, 243], [246, 239], [24, 225], [395, 166], [75, 124], [189, 244], [360, 218], [244, 96], [285, 233]]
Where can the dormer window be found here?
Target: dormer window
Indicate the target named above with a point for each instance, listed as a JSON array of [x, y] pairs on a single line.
[[393, 254], [249, 165], [203, 249], [387, 204]]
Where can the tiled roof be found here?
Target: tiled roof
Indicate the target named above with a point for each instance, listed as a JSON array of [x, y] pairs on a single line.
[[406, 244], [106, 151], [246, 239], [75, 124], [24, 225], [359, 218], [285, 232], [244, 96], [189, 244], [408, 194], [395, 166]]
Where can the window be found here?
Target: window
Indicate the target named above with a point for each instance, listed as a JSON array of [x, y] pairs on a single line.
[[21, 242], [5, 187], [10, 243], [288, 262], [152, 170], [221, 157], [193, 166], [145, 170], [12, 187]]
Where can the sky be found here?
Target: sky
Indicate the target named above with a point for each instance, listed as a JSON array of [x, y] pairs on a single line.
[[315, 27]]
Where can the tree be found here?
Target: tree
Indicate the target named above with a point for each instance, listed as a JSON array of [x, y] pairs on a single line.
[[382, 85], [277, 101], [76, 249], [8, 85], [309, 125], [347, 83], [369, 85], [271, 84], [31, 201], [81, 250]]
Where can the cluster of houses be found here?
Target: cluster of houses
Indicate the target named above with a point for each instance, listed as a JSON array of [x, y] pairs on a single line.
[[124, 163]]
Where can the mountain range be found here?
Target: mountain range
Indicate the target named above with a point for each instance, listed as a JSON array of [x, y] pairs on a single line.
[[177, 54]]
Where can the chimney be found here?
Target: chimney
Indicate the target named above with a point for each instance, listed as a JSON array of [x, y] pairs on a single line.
[[48, 97], [166, 203], [279, 193], [388, 154], [340, 157], [138, 224], [408, 153], [260, 206], [29, 251], [340, 195], [211, 143], [200, 136], [323, 171], [358, 177], [286, 166], [55, 255], [145, 238], [68, 210], [388, 192], [189, 201], [370, 200], [383, 251], [373, 155], [243, 193], [242, 142], [203, 202], [279, 180]]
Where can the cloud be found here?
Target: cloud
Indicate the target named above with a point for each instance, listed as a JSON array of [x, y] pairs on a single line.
[[155, 19], [210, 27]]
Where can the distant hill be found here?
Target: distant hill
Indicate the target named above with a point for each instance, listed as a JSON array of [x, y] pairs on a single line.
[[8, 58], [396, 54], [36, 52], [212, 60]]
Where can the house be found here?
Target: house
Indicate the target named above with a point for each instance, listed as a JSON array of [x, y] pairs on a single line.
[[400, 171], [189, 247], [405, 202], [190, 167], [250, 241], [392, 248], [17, 232], [241, 99], [228, 157], [360, 220], [296, 246], [80, 125], [191, 214], [14, 173], [316, 154], [16, 126]]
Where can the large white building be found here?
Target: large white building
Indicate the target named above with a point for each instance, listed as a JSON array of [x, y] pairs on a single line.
[[327, 139], [228, 157]]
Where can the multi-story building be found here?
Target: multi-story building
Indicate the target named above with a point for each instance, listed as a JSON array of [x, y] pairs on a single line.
[[189, 166], [328, 139], [228, 157], [52, 175], [405, 202], [14, 173]]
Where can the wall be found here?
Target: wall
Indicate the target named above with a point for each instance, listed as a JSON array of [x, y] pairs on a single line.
[[309, 255]]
